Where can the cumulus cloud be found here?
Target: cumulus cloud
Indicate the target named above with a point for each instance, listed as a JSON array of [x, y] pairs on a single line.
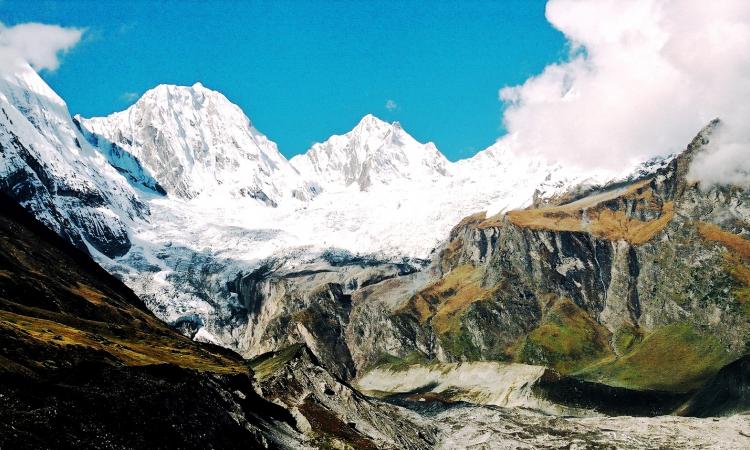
[[38, 44], [642, 78], [725, 160], [391, 105]]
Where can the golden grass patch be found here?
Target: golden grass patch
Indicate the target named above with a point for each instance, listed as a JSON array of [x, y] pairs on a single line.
[[90, 294], [600, 221], [735, 258], [137, 349], [445, 300], [733, 242], [592, 215]]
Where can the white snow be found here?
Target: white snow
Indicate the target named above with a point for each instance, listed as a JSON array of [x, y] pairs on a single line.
[[232, 199], [64, 177], [195, 142]]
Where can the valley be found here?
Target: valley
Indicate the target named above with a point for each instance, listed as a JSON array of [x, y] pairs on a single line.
[[369, 293]]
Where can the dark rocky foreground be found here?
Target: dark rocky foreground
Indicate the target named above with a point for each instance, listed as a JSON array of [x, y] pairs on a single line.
[[97, 405], [86, 365]]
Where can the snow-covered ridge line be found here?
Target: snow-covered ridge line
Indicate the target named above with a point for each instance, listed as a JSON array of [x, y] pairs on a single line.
[[193, 141], [48, 167], [179, 193], [196, 142], [372, 153]]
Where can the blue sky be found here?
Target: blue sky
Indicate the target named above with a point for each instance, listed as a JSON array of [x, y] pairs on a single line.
[[305, 70]]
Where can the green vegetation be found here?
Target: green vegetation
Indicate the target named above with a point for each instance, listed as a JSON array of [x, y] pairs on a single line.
[[626, 337], [675, 358], [269, 363], [568, 339], [459, 344], [392, 362]]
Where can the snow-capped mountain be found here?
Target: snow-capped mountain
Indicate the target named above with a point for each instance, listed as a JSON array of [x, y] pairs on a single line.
[[193, 194], [48, 167], [194, 141], [373, 153]]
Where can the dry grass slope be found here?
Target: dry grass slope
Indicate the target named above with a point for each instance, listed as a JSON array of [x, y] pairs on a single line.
[[597, 215], [736, 258], [59, 308], [731, 241], [444, 301]]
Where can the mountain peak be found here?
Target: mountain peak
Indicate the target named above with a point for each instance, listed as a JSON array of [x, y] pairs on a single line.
[[194, 140], [371, 123], [370, 119], [176, 97], [19, 78], [374, 152]]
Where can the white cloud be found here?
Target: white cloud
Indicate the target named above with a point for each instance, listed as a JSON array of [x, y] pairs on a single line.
[[391, 105], [38, 44], [643, 77], [129, 96]]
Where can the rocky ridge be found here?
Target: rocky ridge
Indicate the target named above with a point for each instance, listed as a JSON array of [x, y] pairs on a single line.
[[637, 286], [47, 166]]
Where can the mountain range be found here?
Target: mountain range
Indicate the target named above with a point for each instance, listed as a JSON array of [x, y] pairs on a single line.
[[183, 177], [371, 264]]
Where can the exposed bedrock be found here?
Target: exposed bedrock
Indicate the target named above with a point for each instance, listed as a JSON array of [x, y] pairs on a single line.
[[641, 285]]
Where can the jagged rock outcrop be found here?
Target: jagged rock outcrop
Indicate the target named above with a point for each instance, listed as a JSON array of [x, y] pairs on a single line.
[[310, 304], [331, 411]]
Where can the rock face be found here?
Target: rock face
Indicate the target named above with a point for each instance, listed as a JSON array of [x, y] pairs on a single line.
[[311, 304], [331, 411], [47, 166], [194, 141], [640, 285]]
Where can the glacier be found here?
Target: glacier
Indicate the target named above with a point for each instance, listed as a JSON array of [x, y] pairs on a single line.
[[179, 193]]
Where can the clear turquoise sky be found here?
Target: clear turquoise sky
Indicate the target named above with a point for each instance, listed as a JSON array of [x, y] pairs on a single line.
[[305, 70]]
